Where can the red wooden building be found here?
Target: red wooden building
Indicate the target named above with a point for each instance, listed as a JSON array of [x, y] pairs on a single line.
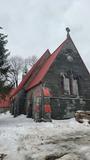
[[5, 103]]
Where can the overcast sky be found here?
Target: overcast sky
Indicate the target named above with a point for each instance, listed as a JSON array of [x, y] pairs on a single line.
[[35, 25]]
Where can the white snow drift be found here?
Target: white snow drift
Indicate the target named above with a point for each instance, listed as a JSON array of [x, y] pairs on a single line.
[[23, 139]]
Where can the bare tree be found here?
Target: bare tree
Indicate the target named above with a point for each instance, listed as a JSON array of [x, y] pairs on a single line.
[[19, 65], [16, 63], [30, 61]]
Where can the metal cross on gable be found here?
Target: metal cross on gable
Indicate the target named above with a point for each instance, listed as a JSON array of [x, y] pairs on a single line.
[[68, 30]]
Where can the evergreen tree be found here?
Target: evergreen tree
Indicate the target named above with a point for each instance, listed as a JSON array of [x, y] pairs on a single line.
[[5, 84]]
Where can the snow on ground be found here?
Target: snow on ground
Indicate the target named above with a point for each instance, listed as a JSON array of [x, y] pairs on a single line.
[[23, 139]]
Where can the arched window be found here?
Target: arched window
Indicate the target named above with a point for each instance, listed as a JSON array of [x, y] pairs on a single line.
[[69, 85], [65, 88], [62, 84], [73, 86]]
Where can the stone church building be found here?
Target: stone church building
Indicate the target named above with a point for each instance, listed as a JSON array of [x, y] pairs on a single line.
[[55, 87]]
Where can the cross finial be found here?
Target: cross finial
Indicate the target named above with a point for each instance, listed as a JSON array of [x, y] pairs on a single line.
[[68, 30]]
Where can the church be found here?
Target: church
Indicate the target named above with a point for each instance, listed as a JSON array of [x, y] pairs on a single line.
[[55, 87]]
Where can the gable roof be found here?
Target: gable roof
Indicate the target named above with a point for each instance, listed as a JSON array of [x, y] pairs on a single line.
[[39, 77], [30, 73]]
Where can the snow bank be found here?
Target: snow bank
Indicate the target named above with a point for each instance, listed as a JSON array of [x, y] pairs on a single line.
[[23, 139]]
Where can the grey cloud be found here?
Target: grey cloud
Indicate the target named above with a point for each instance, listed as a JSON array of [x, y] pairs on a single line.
[[35, 25]]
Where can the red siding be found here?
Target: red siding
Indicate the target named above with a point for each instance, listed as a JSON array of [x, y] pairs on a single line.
[[5, 103]]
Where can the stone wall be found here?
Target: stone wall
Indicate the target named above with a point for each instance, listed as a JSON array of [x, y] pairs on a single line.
[[69, 65]]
